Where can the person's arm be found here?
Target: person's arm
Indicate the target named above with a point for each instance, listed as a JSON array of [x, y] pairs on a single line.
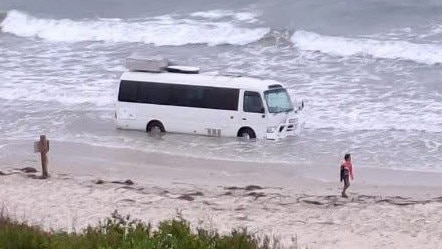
[[351, 171]]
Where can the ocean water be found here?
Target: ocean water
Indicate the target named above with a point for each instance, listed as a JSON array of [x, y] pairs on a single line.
[[369, 71]]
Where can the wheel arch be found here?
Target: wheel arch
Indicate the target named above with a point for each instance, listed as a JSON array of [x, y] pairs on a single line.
[[153, 122], [246, 128]]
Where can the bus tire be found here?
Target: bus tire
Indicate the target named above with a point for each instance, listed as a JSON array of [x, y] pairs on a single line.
[[246, 133], [155, 128]]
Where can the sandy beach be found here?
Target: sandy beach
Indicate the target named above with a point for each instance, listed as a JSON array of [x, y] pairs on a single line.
[[298, 204]]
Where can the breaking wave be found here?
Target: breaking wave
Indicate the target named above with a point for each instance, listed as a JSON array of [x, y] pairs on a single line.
[[387, 49], [212, 28]]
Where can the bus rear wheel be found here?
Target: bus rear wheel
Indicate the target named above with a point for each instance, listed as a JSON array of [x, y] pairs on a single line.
[[246, 134], [155, 128]]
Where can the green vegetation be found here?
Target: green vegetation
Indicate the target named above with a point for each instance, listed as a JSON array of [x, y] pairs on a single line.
[[121, 232]]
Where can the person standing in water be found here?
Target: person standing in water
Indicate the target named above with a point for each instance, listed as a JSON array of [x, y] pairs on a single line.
[[346, 173]]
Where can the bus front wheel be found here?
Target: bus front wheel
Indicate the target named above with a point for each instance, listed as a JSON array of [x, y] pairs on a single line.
[[246, 133], [155, 128]]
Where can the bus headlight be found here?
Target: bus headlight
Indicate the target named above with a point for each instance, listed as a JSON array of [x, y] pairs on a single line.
[[293, 121], [271, 129]]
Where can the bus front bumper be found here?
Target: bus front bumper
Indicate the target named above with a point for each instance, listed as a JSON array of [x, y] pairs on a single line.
[[283, 130]]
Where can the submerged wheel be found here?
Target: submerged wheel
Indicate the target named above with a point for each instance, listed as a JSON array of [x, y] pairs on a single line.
[[155, 128], [246, 133]]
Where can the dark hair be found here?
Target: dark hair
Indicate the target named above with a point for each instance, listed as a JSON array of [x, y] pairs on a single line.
[[347, 156]]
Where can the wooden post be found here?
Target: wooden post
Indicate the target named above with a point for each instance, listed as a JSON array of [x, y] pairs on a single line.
[[42, 146]]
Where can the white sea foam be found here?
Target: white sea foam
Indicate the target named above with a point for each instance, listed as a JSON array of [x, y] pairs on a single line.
[[388, 49], [219, 14], [61, 94], [163, 30], [57, 74], [435, 30]]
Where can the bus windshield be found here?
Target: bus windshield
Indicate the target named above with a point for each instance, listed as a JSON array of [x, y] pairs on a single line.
[[278, 100]]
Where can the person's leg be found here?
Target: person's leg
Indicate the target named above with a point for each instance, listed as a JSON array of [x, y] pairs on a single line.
[[346, 185]]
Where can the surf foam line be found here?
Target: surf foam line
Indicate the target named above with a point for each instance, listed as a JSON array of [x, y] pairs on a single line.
[[341, 46], [160, 31]]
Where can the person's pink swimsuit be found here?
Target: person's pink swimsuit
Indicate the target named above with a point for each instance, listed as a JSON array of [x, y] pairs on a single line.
[[349, 167]]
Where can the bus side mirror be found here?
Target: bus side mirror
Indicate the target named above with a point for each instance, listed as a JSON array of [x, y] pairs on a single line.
[[301, 106]]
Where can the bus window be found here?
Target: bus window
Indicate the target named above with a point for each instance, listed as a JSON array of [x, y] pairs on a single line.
[[128, 91], [253, 102], [179, 95], [221, 98], [278, 100]]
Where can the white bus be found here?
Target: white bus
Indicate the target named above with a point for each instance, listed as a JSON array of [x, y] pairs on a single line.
[[182, 101]]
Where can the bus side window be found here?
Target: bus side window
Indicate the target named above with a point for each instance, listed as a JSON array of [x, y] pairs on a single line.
[[128, 91], [253, 102], [194, 96]]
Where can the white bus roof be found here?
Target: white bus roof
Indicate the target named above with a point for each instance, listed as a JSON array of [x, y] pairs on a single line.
[[201, 80]]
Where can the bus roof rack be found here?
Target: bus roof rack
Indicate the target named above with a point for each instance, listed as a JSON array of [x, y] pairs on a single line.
[[153, 64], [183, 69], [157, 64]]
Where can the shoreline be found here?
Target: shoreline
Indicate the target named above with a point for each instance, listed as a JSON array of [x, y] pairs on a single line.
[[66, 156]]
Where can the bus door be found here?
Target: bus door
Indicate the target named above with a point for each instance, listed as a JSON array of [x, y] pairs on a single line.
[[253, 112]]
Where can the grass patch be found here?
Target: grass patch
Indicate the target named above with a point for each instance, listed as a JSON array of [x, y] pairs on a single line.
[[122, 232]]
